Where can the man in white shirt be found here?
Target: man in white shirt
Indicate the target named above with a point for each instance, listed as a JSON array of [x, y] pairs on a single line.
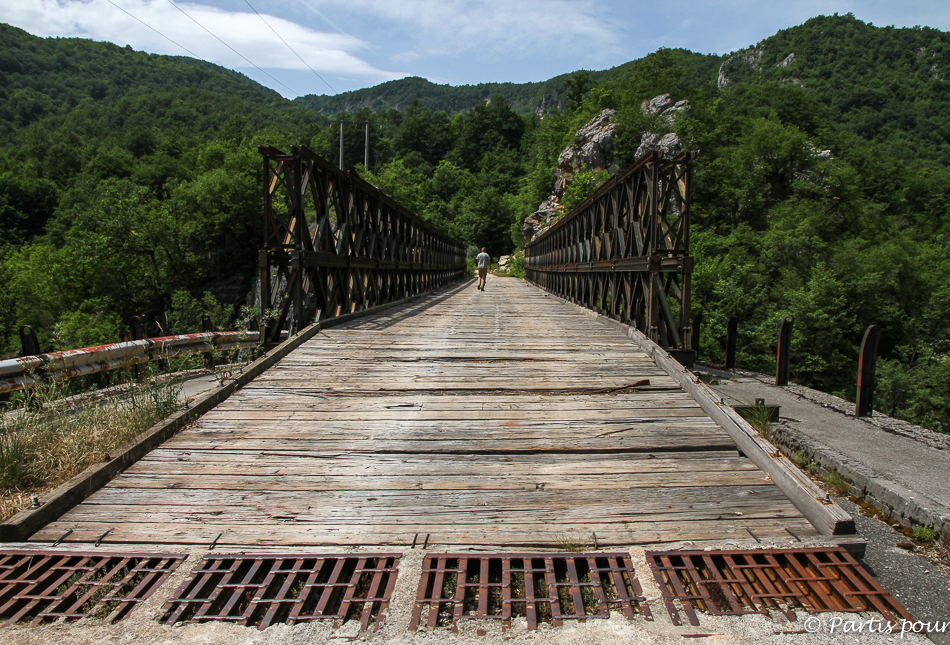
[[483, 261]]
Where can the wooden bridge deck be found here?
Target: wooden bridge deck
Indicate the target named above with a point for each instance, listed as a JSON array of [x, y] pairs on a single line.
[[485, 418]]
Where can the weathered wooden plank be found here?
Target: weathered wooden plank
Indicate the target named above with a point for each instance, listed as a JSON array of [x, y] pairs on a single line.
[[549, 535], [465, 420], [823, 513], [146, 486]]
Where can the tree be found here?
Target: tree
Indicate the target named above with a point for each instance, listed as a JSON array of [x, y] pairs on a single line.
[[578, 87]]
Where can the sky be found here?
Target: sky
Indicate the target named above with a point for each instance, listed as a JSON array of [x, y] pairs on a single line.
[[299, 47]]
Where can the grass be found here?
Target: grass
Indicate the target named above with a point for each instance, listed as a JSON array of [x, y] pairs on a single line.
[[573, 543], [838, 484], [760, 418], [803, 461], [47, 439], [924, 534]]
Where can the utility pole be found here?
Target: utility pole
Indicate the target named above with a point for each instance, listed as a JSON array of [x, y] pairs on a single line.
[[341, 144], [365, 143]]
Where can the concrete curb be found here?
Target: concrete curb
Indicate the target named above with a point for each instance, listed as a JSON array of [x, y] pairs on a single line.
[[901, 504]]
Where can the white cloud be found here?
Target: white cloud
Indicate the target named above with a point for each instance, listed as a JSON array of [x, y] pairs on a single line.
[[327, 53], [499, 27]]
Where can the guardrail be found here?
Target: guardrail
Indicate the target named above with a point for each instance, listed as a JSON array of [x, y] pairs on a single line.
[[29, 371]]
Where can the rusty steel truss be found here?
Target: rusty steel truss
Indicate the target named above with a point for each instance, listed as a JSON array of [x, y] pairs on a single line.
[[334, 244], [624, 252]]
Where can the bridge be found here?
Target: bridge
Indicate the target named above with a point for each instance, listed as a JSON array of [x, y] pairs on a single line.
[[407, 410]]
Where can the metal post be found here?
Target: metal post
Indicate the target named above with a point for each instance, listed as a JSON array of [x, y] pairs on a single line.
[[206, 326], [731, 334], [29, 344], [138, 333], [784, 344], [864, 405], [697, 322], [296, 264], [341, 145], [138, 328]]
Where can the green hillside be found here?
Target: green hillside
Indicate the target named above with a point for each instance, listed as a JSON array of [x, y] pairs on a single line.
[[127, 180], [524, 98], [129, 184]]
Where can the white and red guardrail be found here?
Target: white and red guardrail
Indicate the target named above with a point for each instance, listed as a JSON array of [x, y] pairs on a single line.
[[28, 371]]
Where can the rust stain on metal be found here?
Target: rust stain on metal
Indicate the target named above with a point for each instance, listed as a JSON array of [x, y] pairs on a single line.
[[263, 590], [546, 587], [757, 581], [46, 586], [28, 371]]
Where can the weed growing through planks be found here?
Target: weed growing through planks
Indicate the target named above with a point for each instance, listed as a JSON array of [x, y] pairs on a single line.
[[48, 438], [572, 543], [838, 484]]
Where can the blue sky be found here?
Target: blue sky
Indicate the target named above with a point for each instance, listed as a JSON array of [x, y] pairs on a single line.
[[349, 44]]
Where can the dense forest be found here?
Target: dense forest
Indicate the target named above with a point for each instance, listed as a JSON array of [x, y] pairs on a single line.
[[129, 184], [524, 98]]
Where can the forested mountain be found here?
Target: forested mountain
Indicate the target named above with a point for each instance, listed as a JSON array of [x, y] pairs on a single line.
[[130, 184], [524, 98]]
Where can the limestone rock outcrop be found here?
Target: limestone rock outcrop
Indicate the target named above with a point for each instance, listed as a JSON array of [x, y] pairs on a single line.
[[752, 56], [664, 106], [669, 145], [592, 149]]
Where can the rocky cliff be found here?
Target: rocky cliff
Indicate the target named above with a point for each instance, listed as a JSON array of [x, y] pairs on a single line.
[[593, 149]]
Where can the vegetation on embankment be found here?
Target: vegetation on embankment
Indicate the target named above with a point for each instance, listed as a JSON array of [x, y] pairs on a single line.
[[129, 184], [47, 439]]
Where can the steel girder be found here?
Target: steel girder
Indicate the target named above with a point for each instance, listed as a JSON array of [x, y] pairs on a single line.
[[624, 252], [334, 244]]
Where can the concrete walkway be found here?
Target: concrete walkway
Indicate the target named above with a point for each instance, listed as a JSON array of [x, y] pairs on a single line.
[[896, 466]]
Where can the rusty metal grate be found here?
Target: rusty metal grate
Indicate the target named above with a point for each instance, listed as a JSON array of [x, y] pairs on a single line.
[[46, 586], [547, 587], [746, 582], [264, 590]]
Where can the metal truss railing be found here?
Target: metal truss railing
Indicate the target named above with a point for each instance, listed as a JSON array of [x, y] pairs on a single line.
[[334, 244], [624, 252]]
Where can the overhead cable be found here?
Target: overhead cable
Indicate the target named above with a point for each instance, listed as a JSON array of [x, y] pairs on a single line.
[[153, 29], [231, 48], [288, 45]]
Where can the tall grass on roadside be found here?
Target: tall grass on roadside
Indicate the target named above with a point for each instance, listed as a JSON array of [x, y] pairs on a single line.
[[48, 438]]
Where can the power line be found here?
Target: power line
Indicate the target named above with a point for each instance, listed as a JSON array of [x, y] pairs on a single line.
[[231, 48], [153, 29], [288, 45]]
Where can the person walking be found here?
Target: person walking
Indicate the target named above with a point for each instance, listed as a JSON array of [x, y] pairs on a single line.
[[483, 261]]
